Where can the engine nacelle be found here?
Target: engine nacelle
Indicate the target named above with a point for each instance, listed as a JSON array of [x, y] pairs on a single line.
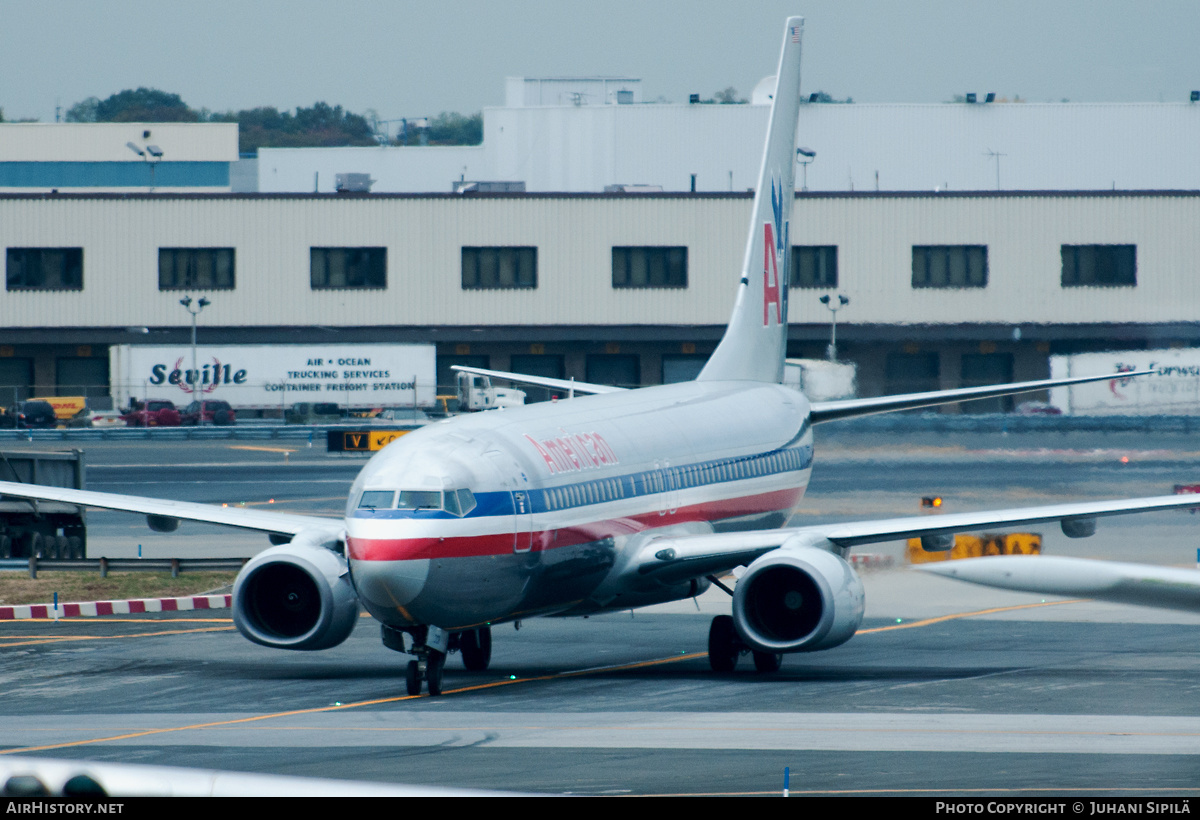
[[797, 599], [295, 596], [1078, 527]]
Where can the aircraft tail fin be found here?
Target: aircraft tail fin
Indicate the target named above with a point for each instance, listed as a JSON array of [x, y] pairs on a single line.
[[755, 341]]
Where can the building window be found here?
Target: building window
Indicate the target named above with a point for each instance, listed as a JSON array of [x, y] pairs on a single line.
[[1099, 266], [649, 267], [814, 266], [949, 266], [338, 268], [45, 269], [487, 268], [195, 268]]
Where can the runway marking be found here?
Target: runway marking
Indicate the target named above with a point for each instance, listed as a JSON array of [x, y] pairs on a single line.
[[955, 616], [263, 449], [74, 638], [65, 622]]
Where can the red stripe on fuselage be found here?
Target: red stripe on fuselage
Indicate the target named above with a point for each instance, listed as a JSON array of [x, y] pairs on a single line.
[[502, 543]]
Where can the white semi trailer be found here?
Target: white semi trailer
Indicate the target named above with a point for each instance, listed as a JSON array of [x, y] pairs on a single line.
[[261, 377]]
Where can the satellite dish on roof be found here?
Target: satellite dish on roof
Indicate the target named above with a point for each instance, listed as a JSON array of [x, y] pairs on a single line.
[[763, 92]]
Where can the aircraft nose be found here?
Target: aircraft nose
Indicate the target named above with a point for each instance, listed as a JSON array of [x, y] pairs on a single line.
[[389, 585]]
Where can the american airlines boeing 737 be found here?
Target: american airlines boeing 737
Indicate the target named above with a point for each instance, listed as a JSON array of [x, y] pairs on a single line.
[[613, 500]]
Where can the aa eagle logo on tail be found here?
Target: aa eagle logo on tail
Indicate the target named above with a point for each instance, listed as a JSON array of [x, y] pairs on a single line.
[[775, 244]]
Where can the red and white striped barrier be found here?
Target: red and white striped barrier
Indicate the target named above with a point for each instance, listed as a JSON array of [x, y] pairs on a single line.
[[95, 608], [871, 560]]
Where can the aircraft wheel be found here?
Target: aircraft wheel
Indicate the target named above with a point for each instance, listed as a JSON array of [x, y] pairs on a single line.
[[62, 547], [5, 546], [75, 545], [476, 648], [36, 545], [433, 672], [413, 678], [723, 644], [767, 662]]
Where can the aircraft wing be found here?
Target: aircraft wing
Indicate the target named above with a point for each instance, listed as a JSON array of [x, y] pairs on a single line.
[[541, 381], [267, 521], [823, 411], [1140, 584], [678, 558]]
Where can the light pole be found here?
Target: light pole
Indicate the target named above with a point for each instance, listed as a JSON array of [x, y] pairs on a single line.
[[834, 307], [152, 154], [805, 156], [200, 305]]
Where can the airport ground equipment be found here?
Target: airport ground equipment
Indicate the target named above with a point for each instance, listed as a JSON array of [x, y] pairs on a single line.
[[476, 392], [46, 529]]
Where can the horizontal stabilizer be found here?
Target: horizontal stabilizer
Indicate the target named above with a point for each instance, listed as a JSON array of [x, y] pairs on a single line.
[[569, 385], [1139, 584], [823, 411]]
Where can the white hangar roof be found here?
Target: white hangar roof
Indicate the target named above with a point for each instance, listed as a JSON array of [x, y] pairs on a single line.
[[951, 146]]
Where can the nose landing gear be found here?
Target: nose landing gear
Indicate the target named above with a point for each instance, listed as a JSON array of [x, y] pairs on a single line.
[[427, 668], [429, 644]]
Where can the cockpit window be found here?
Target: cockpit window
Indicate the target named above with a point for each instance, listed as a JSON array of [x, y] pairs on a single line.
[[466, 500], [455, 502], [376, 500], [420, 500]]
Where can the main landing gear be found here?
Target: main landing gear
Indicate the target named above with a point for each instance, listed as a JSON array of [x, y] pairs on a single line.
[[475, 646], [725, 647], [431, 645]]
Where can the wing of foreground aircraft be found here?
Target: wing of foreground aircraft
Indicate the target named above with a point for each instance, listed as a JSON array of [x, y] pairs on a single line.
[[1139, 584], [165, 514], [682, 557]]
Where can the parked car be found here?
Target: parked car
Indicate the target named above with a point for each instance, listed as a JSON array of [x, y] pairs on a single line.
[[105, 418], [401, 416], [152, 413], [31, 414], [208, 411], [313, 412]]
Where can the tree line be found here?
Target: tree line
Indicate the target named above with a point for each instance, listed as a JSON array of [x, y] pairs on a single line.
[[318, 126]]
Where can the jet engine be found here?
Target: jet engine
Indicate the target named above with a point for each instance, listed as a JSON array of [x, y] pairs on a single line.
[[797, 598], [295, 596]]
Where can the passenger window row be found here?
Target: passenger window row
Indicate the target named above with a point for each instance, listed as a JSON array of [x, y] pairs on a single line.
[[673, 478]]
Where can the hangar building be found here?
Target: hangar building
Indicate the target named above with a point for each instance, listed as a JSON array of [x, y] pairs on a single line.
[[946, 288]]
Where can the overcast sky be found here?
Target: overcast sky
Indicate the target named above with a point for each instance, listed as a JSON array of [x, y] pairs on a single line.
[[407, 59]]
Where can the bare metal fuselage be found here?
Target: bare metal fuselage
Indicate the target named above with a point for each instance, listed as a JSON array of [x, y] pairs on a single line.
[[567, 494]]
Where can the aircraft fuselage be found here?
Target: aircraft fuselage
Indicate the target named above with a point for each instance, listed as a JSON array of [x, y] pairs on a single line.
[[561, 495]]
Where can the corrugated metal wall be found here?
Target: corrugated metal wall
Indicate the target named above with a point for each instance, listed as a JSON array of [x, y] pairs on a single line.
[[574, 236]]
